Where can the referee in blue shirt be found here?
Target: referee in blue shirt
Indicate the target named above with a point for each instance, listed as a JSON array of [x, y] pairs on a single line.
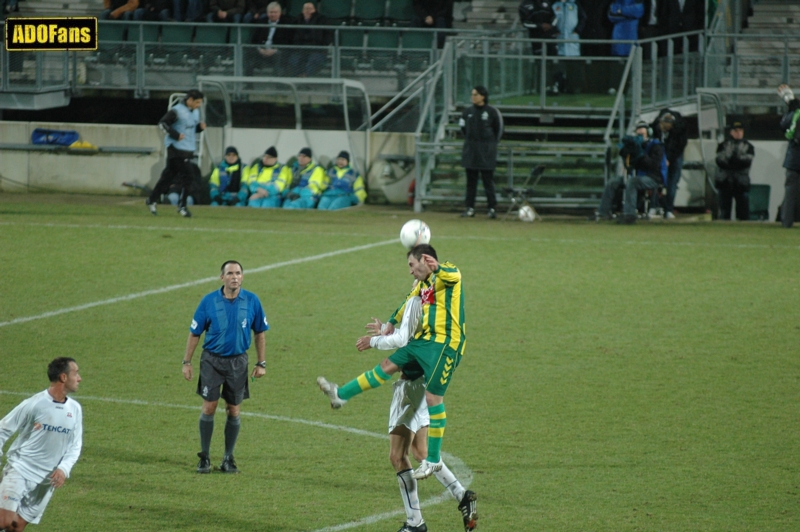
[[227, 316]]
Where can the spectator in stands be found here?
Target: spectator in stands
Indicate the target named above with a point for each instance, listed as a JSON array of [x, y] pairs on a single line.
[[646, 163], [118, 9], [152, 10], [598, 27], [310, 62], [10, 6], [194, 10], [625, 15], [791, 128], [679, 16], [181, 124], [225, 11], [273, 35], [648, 25], [734, 157], [226, 179], [308, 183], [670, 128], [267, 181], [482, 127], [433, 14], [538, 17], [346, 186], [256, 11], [569, 22]]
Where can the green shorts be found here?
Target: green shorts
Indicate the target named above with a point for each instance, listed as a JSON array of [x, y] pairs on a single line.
[[438, 361]]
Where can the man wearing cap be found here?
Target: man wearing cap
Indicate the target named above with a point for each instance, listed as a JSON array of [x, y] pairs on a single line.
[[670, 128], [734, 157], [226, 179], [308, 183], [482, 127], [790, 126], [346, 186], [644, 158], [267, 180]]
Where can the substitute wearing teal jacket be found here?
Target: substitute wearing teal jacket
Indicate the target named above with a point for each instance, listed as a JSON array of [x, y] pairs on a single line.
[[226, 179], [267, 179], [346, 186], [310, 181]]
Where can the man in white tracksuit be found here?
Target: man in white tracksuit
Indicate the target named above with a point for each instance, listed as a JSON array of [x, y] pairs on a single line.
[[49, 429], [408, 417]]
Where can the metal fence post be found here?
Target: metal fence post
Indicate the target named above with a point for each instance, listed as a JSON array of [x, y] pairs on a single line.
[[636, 107]]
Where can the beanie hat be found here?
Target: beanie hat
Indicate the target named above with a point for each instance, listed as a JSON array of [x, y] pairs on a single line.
[[231, 149], [344, 155], [271, 151], [306, 152]]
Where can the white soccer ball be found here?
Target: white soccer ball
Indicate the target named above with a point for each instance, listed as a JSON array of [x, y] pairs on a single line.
[[526, 213], [415, 232]]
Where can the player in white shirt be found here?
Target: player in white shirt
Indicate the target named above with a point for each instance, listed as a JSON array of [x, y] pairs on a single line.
[[49, 429], [409, 420]]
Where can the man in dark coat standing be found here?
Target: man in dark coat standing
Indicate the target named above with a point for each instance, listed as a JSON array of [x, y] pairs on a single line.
[[790, 125], [734, 157], [482, 127]]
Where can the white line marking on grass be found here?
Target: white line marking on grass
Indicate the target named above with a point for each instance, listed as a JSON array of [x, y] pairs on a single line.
[[462, 472], [191, 283]]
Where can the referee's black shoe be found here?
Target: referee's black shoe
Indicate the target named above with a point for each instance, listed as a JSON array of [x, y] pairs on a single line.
[[228, 465], [204, 466]]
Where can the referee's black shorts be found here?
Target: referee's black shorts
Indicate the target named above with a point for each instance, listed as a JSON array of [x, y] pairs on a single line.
[[229, 372]]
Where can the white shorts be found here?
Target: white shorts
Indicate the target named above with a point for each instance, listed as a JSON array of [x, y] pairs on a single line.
[[409, 407], [25, 498]]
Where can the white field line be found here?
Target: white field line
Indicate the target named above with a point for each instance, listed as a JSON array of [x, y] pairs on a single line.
[[461, 471], [171, 288], [579, 241]]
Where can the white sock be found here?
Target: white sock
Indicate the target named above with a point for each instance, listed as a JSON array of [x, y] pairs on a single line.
[[408, 492], [449, 481]]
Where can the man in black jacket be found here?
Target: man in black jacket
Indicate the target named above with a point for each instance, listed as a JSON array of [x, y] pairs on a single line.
[[734, 157], [482, 127], [670, 129], [433, 14], [272, 35], [789, 124], [310, 62], [538, 17]]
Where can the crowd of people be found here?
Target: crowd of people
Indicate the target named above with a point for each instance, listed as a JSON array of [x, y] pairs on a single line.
[[652, 161], [567, 21]]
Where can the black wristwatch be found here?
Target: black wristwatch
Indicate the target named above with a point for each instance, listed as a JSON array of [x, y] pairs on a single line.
[[262, 364]]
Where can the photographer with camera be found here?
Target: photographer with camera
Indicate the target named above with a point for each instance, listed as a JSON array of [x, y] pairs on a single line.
[[792, 160], [646, 163]]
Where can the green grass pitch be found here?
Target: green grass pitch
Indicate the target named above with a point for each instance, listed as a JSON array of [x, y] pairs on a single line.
[[615, 378]]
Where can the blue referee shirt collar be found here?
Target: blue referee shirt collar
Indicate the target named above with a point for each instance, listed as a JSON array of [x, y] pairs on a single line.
[[222, 293]]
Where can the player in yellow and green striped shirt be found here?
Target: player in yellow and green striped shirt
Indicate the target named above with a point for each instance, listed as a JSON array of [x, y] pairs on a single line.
[[437, 347]]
